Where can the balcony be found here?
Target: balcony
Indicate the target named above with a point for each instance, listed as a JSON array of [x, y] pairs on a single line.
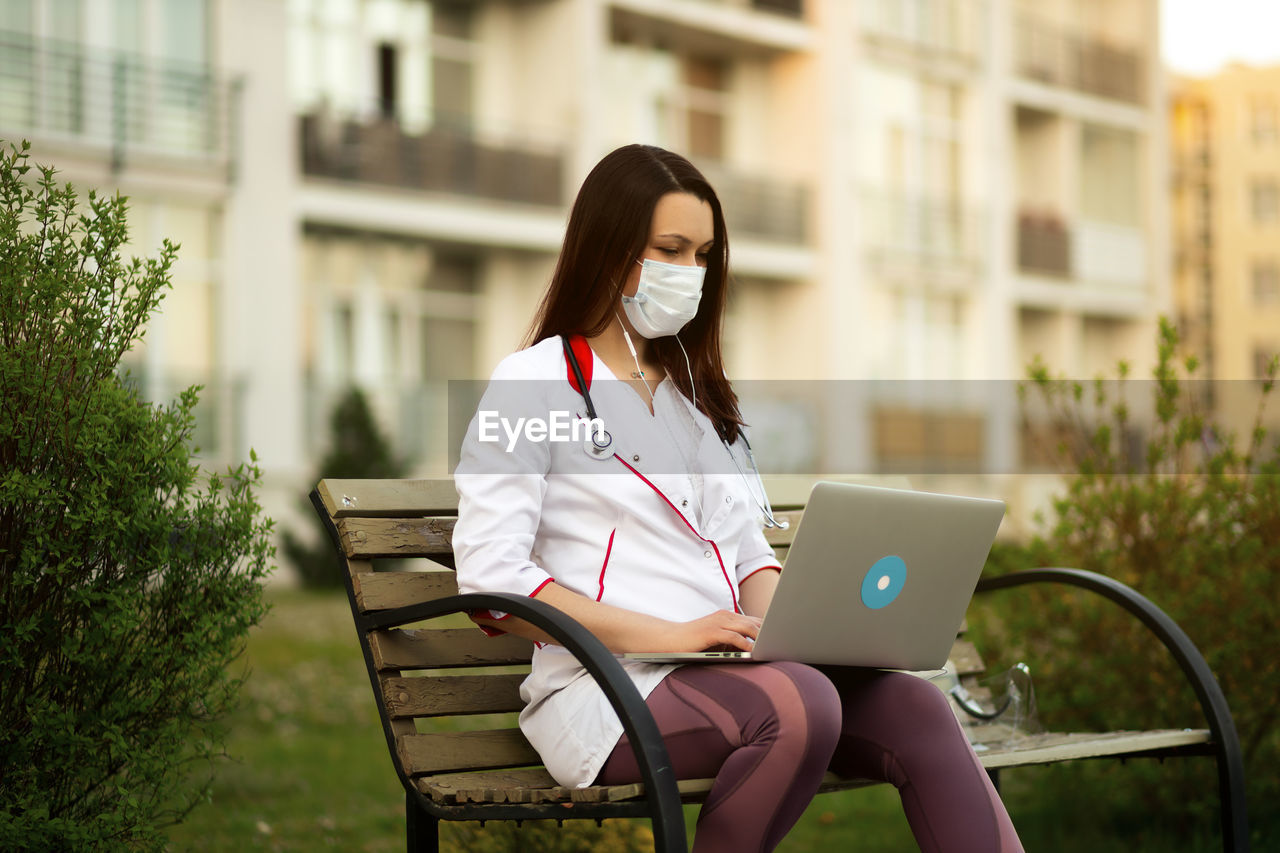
[[1044, 244], [755, 207], [450, 159], [713, 27], [922, 231], [1110, 256], [1052, 55], [132, 108], [940, 28], [911, 440], [785, 8]]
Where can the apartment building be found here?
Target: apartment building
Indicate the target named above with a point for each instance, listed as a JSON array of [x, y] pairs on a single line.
[[1225, 137], [921, 194], [150, 98]]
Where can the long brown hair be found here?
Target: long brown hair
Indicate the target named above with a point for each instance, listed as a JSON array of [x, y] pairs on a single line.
[[608, 229]]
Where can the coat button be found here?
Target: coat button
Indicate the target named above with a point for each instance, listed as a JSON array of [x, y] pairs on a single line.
[[684, 502], [728, 499], [635, 458], [707, 554]]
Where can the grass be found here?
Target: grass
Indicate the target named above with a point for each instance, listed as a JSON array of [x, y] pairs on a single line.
[[309, 769]]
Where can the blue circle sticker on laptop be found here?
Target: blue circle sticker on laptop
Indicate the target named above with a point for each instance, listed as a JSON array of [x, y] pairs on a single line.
[[883, 581]]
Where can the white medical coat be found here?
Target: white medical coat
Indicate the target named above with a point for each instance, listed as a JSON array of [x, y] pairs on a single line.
[[663, 524]]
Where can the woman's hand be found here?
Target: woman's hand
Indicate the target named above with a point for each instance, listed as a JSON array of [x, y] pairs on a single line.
[[628, 631], [715, 631]]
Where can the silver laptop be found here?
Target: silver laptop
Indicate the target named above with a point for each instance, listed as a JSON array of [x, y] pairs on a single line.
[[875, 577]]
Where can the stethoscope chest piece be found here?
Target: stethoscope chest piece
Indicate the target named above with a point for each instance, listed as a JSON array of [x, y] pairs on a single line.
[[598, 444]]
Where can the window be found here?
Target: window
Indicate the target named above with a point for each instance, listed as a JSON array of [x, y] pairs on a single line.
[[17, 15], [1265, 126], [184, 30], [705, 84], [1262, 360], [452, 61], [912, 160], [1265, 201], [397, 317], [1266, 283], [387, 56], [408, 60], [1110, 190]]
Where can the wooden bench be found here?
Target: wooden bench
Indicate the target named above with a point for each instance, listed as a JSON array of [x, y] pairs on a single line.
[[461, 765]]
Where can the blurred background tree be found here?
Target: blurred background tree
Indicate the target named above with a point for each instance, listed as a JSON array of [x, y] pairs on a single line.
[[357, 449], [1186, 512], [128, 579]]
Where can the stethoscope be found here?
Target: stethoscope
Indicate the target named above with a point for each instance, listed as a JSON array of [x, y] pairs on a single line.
[[599, 442]]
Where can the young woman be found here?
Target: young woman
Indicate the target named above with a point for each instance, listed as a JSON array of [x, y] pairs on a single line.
[[648, 532]]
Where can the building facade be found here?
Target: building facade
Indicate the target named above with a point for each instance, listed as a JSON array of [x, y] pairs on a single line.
[[922, 195], [1225, 136]]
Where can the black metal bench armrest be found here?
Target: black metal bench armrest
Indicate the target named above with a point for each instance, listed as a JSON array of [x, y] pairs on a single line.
[[1212, 701], [651, 752]]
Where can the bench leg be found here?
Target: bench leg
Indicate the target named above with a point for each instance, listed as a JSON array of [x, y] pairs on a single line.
[[422, 830], [1231, 798]]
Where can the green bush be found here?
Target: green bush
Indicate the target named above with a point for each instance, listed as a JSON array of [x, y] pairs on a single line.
[[1189, 515], [128, 581], [357, 449]]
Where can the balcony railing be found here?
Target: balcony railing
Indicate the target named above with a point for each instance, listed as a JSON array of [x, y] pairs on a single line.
[[1114, 256], [942, 27], [787, 8], [912, 440], [759, 207], [131, 106], [930, 231], [218, 432], [791, 8], [1052, 55], [441, 159], [1044, 244], [414, 416]]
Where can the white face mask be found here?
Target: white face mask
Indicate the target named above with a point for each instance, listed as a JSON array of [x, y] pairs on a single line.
[[666, 299]]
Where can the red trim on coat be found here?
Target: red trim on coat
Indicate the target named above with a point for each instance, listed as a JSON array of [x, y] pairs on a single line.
[[725, 572], [491, 631], [582, 352], [759, 570], [607, 552], [732, 595]]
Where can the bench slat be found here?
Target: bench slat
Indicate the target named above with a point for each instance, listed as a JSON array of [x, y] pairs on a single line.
[[534, 784], [529, 785], [503, 786], [388, 590], [372, 498], [434, 696], [1051, 747], [396, 537], [422, 648], [447, 752]]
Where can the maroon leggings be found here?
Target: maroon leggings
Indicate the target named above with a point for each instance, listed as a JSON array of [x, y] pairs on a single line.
[[767, 732]]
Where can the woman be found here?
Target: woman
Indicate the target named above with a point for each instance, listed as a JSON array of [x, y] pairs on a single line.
[[649, 534]]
